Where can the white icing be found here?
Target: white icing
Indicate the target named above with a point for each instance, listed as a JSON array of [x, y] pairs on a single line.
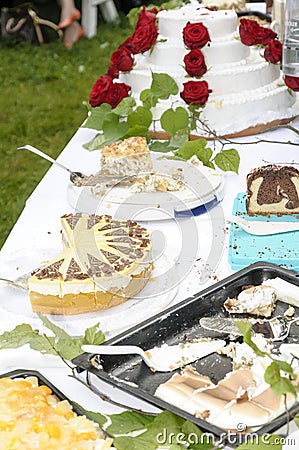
[[285, 291], [246, 89]]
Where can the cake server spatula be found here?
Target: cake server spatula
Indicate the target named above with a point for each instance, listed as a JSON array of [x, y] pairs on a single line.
[[263, 228], [77, 178], [165, 358]]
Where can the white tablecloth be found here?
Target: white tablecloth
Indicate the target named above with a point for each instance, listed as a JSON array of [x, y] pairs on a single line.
[[39, 225]]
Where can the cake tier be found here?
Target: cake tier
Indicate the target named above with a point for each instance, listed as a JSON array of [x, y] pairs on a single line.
[[246, 75], [171, 54], [221, 24]]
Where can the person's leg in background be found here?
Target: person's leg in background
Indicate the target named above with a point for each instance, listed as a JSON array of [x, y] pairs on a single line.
[[69, 22]]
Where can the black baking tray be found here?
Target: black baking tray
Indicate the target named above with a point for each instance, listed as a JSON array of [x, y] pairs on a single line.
[[176, 324], [43, 381]]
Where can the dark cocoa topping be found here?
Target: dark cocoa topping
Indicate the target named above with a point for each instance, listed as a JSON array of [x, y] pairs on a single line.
[[98, 268], [92, 220], [51, 272], [72, 219], [74, 272], [110, 256]]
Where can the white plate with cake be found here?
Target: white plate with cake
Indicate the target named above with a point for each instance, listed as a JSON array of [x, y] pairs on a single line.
[[152, 187], [106, 272]]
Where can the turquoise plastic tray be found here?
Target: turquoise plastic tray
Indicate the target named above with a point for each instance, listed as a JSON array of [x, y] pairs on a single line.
[[244, 249]]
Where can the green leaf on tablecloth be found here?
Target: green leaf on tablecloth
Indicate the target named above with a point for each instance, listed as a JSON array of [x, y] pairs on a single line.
[[99, 418], [228, 160], [173, 120], [127, 422], [197, 148], [196, 438], [19, 336], [43, 344], [158, 432], [95, 143], [125, 106], [94, 335], [59, 343], [96, 116]]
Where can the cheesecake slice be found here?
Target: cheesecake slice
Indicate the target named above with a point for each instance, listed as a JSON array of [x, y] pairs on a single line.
[[104, 262], [126, 158]]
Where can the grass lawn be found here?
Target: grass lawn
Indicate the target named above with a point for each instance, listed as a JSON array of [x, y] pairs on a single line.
[[42, 94]]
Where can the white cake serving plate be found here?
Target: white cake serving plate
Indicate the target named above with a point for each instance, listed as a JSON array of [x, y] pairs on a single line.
[[203, 188], [15, 308]]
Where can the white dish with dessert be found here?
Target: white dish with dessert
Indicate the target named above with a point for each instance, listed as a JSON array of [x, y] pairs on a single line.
[[169, 188]]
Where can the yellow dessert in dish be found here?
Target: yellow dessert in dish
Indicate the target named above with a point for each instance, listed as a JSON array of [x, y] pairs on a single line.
[[32, 417], [104, 262]]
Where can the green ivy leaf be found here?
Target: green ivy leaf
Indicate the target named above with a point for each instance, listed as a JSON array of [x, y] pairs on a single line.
[[245, 329], [163, 86], [179, 139], [43, 344], [228, 160], [138, 130], [141, 116], [201, 442], [97, 116], [158, 146], [199, 148], [280, 385], [96, 417], [94, 335], [113, 128], [95, 143], [19, 336], [127, 422], [125, 107], [174, 120], [148, 99]]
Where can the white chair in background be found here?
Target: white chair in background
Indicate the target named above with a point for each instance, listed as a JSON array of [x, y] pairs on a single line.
[[89, 17]]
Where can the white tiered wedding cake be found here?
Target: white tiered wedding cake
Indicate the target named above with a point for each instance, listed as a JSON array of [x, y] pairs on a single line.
[[245, 89]]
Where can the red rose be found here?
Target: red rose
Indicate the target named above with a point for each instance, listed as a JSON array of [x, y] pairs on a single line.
[[127, 43], [273, 52], [146, 16], [292, 82], [195, 35], [195, 63], [122, 59], [144, 37], [99, 90], [196, 92], [116, 92], [251, 33]]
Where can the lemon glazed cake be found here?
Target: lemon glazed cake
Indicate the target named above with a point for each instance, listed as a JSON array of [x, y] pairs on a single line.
[[125, 158], [104, 262]]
